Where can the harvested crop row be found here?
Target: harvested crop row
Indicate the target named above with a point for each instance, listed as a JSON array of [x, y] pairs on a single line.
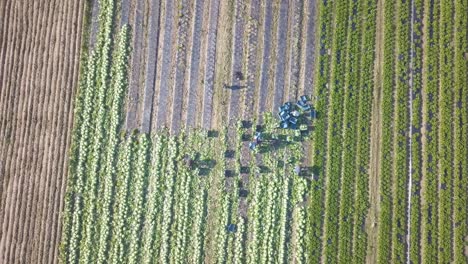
[[193, 67], [209, 71], [179, 89]]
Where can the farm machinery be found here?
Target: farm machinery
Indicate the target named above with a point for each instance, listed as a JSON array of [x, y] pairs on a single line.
[[290, 114]]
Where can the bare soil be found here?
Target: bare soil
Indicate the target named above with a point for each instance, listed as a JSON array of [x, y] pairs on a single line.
[[39, 52]]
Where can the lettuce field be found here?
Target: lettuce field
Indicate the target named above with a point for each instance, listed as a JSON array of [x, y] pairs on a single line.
[[179, 139]]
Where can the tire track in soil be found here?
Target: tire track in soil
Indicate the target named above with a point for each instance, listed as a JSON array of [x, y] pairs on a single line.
[[295, 50], [308, 52], [210, 65], [252, 31], [264, 72], [166, 66], [153, 39], [193, 69], [281, 55], [237, 57], [179, 89], [133, 99]]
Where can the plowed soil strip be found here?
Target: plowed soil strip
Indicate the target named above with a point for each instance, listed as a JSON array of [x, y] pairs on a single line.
[[153, 40], [134, 83], [237, 57], [181, 62], [194, 64], [264, 74], [249, 99], [210, 65], [309, 48], [166, 65], [281, 54]]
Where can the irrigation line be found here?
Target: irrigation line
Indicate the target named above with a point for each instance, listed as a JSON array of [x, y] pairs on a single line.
[[410, 165]]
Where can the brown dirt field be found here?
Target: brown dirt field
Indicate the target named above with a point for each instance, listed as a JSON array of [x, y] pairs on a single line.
[[205, 102], [39, 52], [376, 142]]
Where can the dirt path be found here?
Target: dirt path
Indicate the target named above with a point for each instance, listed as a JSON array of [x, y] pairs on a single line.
[[376, 142], [41, 48]]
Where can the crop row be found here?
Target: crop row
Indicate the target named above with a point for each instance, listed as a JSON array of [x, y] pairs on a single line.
[[319, 144], [402, 88], [446, 127], [366, 91], [91, 116], [429, 237], [416, 139], [350, 123], [386, 170], [460, 131], [335, 132]]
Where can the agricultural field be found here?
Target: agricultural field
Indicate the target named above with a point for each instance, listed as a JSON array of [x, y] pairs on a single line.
[[130, 131]]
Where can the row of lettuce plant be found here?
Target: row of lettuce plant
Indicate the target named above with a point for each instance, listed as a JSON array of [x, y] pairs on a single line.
[[460, 199], [316, 210], [417, 88], [384, 249], [332, 169], [446, 139], [429, 223], [350, 123], [366, 93]]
